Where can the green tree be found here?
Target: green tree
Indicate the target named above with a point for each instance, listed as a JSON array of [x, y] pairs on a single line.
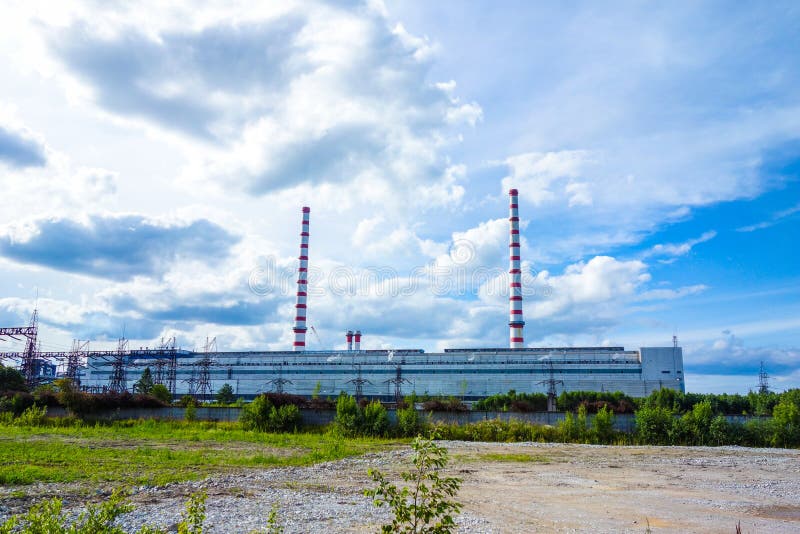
[[654, 425], [317, 389], [145, 382], [786, 423], [161, 392], [426, 503], [11, 380], [225, 395], [255, 416]]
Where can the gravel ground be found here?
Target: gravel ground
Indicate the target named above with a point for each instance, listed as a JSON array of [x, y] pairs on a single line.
[[564, 488]]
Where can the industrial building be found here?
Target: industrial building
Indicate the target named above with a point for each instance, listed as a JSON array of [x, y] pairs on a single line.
[[468, 373]]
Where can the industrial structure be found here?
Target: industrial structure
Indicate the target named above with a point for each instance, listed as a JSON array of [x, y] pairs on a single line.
[[468, 373]]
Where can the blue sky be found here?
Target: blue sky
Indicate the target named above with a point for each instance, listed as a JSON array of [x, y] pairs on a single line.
[[154, 160]]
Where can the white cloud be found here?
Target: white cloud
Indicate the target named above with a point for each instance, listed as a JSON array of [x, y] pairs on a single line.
[[776, 218], [680, 249]]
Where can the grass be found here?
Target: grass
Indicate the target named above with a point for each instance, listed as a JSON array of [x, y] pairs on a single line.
[[514, 457], [155, 453]]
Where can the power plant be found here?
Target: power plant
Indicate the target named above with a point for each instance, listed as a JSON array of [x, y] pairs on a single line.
[[468, 373]]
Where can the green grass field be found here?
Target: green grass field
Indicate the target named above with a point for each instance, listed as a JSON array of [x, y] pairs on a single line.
[[153, 453]]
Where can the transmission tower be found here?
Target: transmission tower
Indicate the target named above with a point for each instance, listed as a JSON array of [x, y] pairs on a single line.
[[552, 394], [204, 375], [398, 382], [359, 383], [79, 350], [763, 380], [118, 382], [280, 381], [29, 357]]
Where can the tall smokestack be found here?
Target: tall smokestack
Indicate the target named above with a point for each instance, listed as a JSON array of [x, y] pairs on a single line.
[[515, 322], [358, 340], [302, 287], [349, 337]]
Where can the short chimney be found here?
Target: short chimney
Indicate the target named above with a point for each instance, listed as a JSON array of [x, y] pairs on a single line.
[[349, 337], [358, 340]]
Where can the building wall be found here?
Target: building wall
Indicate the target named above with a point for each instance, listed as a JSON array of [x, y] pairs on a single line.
[[468, 374]]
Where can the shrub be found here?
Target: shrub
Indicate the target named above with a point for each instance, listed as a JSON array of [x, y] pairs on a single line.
[[348, 415], [33, 416], [603, 425], [654, 425], [47, 517], [375, 420], [426, 503], [284, 419], [190, 413], [409, 422], [262, 416]]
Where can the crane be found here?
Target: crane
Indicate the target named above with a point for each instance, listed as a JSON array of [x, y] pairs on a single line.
[[314, 331]]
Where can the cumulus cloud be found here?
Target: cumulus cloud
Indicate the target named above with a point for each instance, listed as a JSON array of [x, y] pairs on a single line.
[[113, 246], [318, 93], [731, 355], [537, 173], [21, 149]]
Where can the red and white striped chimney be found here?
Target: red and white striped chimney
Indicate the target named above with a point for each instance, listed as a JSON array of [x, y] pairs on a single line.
[[349, 337], [358, 340], [302, 287], [515, 322]]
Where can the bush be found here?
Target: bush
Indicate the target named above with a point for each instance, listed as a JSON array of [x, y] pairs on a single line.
[[654, 425], [348, 415], [450, 404], [375, 420], [262, 416], [33, 416], [190, 413], [603, 426], [409, 423], [426, 503]]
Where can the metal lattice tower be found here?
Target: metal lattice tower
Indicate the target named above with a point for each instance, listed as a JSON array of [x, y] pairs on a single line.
[[203, 389], [763, 380], [79, 350], [398, 382], [552, 393], [28, 367], [359, 383], [118, 381], [280, 381]]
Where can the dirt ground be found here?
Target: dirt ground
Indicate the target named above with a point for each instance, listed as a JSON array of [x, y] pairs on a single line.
[[507, 487], [580, 488]]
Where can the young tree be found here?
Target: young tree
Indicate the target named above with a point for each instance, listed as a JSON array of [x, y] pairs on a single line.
[[145, 383], [161, 392], [427, 501], [225, 395]]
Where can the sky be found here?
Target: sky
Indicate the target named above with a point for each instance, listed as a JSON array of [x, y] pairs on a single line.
[[154, 159]]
